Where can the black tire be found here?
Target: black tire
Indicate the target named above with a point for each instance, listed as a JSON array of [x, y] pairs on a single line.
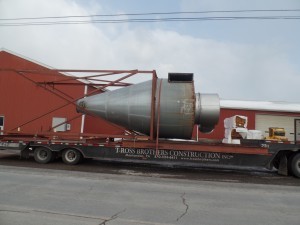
[[71, 156], [43, 155], [295, 165]]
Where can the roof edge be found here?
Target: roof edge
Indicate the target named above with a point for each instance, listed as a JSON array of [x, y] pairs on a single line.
[[26, 58], [260, 105], [38, 63]]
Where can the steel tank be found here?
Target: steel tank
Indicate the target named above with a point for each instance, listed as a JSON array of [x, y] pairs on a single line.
[[177, 108]]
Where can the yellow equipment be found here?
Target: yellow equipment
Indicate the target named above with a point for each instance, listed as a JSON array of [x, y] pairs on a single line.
[[276, 134]]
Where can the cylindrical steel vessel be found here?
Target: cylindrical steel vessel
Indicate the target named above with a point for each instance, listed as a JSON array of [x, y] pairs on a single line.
[[176, 105]]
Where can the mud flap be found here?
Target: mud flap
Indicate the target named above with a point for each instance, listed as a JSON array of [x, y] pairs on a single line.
[[283, 166], [24, 153]]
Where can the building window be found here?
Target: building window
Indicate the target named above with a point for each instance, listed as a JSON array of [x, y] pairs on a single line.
[[58, 120]]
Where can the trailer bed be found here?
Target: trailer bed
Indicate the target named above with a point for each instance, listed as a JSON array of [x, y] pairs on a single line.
[[213, 153]]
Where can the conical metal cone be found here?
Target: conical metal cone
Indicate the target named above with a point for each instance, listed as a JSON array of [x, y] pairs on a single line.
[[129, 107]]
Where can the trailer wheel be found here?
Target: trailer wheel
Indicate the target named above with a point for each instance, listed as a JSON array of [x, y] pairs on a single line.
[[71, 156], [295, 165], [43, 155]]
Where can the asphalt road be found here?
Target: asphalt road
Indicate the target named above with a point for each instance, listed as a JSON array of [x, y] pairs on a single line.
[[124, 194]]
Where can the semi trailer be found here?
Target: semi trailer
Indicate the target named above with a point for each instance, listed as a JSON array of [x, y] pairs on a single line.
[[161, 115]]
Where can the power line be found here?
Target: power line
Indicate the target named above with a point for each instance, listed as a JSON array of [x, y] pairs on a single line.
[[42, 21], [153, 20], [154, 13]]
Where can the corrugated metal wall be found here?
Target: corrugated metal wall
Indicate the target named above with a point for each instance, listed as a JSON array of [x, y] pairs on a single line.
[[22, 101]]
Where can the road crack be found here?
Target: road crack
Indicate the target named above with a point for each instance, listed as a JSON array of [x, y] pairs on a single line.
[[17, 211], [186, 207], [113, 217]]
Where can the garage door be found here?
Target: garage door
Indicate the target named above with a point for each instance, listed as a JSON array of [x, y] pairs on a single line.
[[263, 122]]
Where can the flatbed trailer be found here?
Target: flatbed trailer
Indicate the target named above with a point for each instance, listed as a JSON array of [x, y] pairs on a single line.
[[250, 153]]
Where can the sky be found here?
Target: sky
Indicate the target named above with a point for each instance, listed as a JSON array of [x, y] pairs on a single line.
[[238, 59]]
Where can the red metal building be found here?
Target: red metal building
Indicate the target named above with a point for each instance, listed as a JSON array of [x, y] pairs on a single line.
[[25, 102]]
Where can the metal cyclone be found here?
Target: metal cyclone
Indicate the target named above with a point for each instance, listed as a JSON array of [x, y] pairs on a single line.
[[179, 109]]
